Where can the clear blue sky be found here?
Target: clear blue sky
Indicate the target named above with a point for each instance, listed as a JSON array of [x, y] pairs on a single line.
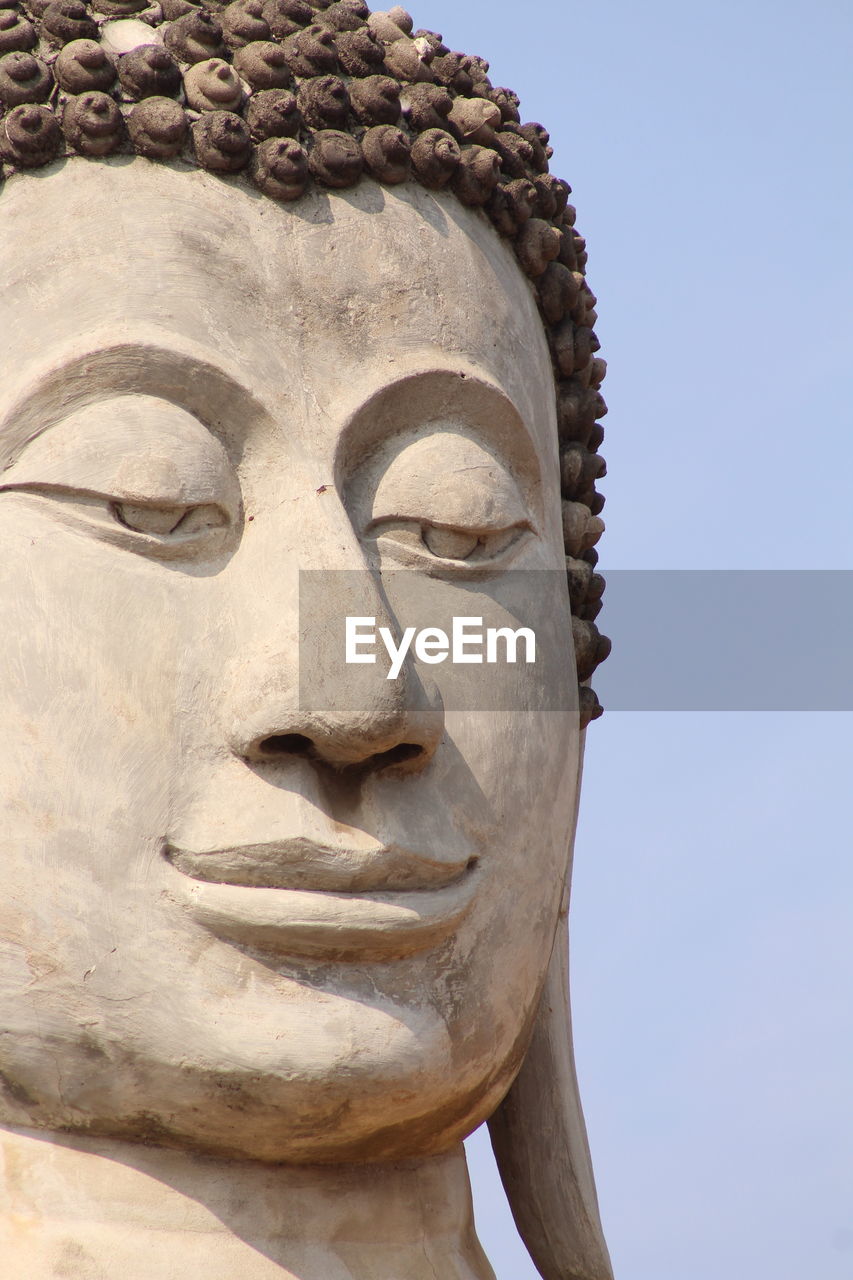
[[709, 147]]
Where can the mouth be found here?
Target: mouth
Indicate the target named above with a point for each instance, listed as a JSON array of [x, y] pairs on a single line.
[[300, 898]]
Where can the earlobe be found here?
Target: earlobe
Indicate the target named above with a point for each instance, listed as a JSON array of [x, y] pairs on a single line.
[[539, 1139], [539, 1135]]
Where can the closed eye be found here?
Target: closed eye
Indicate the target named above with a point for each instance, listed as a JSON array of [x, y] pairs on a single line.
[[149, 528], [443, 500], [166, 521], [476, 548], [137, 471]]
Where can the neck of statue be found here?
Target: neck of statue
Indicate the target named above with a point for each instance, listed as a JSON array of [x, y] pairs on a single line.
[[92, 1207]]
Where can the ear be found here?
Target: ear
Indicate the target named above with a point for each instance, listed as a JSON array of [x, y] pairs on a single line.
[[540, 1143]]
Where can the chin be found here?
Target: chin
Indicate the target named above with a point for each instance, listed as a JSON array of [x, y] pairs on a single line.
[[315, 1079]]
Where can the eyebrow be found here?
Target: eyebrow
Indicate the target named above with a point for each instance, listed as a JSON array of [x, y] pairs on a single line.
[[454, 389], [190, 380]]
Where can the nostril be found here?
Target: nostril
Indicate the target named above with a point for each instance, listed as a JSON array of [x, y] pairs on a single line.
[[281, 744], [396, 755], [278, 745]]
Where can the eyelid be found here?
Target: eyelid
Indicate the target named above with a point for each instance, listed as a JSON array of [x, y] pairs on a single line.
[[410, 549], [455, 526], [198, 525], [182, 522], [136, 449], [482, 512], [92, 497], [446, 477], [110, 486]]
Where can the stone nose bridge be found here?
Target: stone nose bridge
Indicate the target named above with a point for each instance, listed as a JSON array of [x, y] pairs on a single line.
[[290, 690]]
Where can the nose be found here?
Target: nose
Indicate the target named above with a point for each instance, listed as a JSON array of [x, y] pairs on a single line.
[[366, 729], [405, 739], [293, 696]]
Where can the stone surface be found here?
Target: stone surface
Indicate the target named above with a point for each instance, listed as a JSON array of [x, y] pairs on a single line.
[[264, 961], [259, 384], [88, 1209], [350, 72]]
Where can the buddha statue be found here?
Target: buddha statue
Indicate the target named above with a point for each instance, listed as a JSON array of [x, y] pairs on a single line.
[[287, 289]]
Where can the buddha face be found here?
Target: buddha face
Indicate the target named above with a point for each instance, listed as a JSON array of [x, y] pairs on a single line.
[[253, 900]]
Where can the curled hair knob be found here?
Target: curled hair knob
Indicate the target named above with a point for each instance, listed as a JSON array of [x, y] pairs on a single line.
[[263, 65], [376, 100], [591, 647], [359, 52], [558, 292], [387, 153], [336, 159], [324, 102], [244, 21], [273, 113], [194, 37], [511, 205], [149, 72], [344, 17], [590, 708], [477, 175], [427, 106], [435, 158], [31, 136], [17, 35], [84, 65], [67, 20], [280, 168], [286, 17], [93, 124], [158, 128], [213, 86], [311, 52], [23, 78], [222, 142]]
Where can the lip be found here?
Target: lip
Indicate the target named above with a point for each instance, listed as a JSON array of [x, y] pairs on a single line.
[[300, 898]]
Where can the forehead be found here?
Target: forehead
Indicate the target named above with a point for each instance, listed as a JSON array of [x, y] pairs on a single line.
[[312, 306]]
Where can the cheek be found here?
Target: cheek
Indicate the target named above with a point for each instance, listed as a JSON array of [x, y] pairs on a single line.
[[87, 674], [515, 738], [525, 766], [519, 762]]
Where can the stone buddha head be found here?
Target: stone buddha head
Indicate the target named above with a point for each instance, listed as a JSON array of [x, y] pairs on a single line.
[[287, 288]]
